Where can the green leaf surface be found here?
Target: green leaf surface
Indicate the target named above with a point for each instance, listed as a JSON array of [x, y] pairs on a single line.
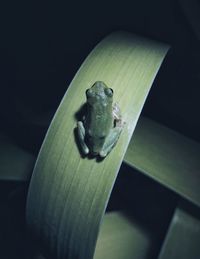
[[166, 156], [122, 238], [68, 194], [183, 237]]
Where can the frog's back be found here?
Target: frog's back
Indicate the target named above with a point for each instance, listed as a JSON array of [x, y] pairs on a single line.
[[99, 119], [99, 109]]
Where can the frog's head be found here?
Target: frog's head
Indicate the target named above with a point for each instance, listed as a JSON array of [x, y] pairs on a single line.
[[99, 92]]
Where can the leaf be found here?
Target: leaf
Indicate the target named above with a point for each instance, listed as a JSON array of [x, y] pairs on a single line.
[[122, 238], [183, 237], [68, 194], [167, 157]]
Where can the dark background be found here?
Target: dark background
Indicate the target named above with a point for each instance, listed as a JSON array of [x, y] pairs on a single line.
[[42, 45]]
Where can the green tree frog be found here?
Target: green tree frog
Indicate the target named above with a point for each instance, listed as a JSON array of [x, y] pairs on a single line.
[[100, 128]]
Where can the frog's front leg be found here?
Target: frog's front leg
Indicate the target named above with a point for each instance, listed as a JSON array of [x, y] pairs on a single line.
[[110, 141], [81, 137]]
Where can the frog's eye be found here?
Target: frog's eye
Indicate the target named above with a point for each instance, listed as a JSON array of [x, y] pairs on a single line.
[[89, 93], [109, 92]]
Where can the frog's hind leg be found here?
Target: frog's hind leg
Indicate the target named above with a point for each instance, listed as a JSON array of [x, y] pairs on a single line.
[[110, 142], [81, 137]]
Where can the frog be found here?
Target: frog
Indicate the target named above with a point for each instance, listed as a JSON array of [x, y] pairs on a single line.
[[101, 125]]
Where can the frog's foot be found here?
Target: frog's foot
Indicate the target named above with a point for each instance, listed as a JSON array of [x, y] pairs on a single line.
[[81, 137], [110, 142]]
